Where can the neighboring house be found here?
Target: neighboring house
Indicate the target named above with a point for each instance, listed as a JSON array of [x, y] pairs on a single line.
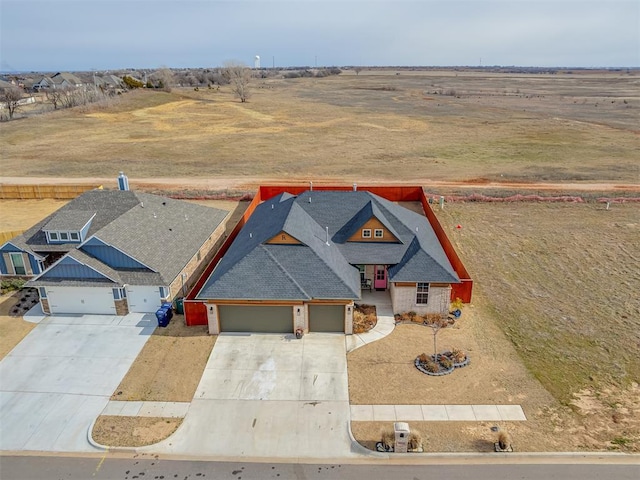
[[108, 82], [57, 81], [300, 262], [114, 252]]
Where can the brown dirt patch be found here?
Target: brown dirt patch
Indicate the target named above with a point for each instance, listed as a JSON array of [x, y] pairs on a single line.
[[12, 329], [133, 431], [22, 214], [169, 367]]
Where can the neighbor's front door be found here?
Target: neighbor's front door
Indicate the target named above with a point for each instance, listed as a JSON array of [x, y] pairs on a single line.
[[380, 282]]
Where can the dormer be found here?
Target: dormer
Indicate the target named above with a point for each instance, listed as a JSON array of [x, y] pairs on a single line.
[[69, 226], [368, 225], [373, 230]]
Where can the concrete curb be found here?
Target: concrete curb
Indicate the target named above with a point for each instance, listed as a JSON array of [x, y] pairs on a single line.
[[106, 448]]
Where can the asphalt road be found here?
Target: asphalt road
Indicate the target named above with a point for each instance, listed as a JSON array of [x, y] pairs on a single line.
[[141, 467]]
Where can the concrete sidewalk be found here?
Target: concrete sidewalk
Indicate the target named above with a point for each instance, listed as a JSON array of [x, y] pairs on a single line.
[[120, 408], [384, 326], [437, 413]]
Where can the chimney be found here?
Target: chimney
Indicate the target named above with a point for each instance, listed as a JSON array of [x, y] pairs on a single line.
[[123, 182], [311, 186], [355, 187]]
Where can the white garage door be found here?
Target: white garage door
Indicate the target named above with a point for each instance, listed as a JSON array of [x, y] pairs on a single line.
[[143, 299], [81, 300]]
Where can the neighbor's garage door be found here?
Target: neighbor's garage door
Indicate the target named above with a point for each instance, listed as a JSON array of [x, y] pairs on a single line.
[[326, 318], [143, 299], [257, 319], [81, 300]]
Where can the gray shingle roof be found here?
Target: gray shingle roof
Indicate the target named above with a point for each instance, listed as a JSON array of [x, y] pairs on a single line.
[[252, 269], [69, 220], [162, 233]]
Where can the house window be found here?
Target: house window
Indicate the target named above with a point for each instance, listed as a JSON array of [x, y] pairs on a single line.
[[119, 293], [422, 297], [74, 236], [164, 292], [64, 236], [366, 233], [378, 233], [53, 235], [18, 263], [43, 292]]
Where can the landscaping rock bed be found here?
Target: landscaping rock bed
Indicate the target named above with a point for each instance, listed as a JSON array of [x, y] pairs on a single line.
[[442, 364], [28, 299]]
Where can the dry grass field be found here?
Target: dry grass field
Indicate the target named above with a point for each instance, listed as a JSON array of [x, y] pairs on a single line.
[[416, 125]]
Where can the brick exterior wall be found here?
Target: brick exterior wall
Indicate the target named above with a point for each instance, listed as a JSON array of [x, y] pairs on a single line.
[[122, 307], [45, 306], [403, 299], [194, 268]]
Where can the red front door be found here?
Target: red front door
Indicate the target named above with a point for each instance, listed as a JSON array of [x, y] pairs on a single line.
[[380, 281]]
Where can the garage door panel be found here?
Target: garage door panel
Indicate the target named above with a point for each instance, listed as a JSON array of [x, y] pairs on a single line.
[[326, 318], [143, 299], [81, 300], [256, 319]]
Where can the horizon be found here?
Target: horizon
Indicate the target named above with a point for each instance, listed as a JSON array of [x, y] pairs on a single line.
[[73, 35]]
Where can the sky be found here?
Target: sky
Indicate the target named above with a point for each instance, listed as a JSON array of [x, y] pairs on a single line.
[[68, 35]]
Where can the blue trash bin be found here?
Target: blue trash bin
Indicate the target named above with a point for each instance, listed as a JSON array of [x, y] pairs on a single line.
[[163, 317]]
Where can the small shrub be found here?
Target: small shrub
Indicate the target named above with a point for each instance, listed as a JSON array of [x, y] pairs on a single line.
[[458, 355], [431, 366], [415, 441], [446, 362], [504, 440], [424, 358], [417, 319], [456, 304]]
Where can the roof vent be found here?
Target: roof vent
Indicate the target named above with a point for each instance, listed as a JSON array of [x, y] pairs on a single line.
[[309, 199], [154, 215], [272, 206], [327, 229], [250, 235], [142, 204], [355, 187], [123, 182], [311, 186]]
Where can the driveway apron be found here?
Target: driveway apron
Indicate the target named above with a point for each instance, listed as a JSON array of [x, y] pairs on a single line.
[[60, 377], [269, 396]]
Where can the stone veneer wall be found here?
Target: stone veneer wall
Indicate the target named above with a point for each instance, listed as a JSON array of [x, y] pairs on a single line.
[[45, 305], [122, 307]]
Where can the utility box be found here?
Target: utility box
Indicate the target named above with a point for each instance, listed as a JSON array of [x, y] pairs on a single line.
[[401, 430]]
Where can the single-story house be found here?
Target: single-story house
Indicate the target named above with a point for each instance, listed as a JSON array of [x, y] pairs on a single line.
[[302, 261], [59, 80], [114, 252]]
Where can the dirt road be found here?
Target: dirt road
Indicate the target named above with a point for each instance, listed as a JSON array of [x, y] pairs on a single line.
[[251, 183]]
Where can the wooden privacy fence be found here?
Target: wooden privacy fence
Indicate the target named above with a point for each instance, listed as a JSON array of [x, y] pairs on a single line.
[[8, 235], [60, 192]]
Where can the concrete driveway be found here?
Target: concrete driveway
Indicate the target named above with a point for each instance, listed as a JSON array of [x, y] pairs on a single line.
[[269, 396], [60, 377]]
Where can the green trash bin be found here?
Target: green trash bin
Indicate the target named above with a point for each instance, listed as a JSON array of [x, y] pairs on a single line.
[[180, 305]]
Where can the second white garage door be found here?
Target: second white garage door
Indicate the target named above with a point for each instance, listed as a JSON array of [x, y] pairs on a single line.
[[143, 299], [85, 300]]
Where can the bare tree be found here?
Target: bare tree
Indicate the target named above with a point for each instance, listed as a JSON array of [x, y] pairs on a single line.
[[54, 97], [165, 78], [238, 75], [10, 98], [357, 70]]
